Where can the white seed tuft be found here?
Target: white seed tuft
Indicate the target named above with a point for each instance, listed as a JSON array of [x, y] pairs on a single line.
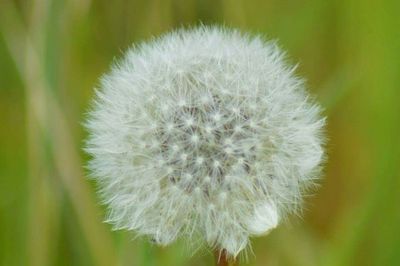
[[204, 132]]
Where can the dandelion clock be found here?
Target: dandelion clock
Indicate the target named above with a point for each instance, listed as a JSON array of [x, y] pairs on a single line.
[[203, 134]]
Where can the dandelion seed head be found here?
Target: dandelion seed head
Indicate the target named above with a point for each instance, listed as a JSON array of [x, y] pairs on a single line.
[[203, 133]]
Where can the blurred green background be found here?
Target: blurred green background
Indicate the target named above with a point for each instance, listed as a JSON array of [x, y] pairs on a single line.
[[52, 53]]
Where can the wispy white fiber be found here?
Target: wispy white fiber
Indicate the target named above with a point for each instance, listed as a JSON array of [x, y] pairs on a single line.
[[203, 133]]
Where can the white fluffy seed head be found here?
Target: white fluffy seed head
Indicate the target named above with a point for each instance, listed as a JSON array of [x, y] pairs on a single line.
[[203, 133]]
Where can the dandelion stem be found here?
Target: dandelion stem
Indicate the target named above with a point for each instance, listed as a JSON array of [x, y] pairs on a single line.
[[221, 259]]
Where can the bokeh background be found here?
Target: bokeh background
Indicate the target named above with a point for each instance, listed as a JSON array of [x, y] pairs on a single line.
[[52, 53]]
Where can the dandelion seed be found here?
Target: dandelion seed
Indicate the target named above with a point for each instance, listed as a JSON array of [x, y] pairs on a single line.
[[224, 142], [199, 160]]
